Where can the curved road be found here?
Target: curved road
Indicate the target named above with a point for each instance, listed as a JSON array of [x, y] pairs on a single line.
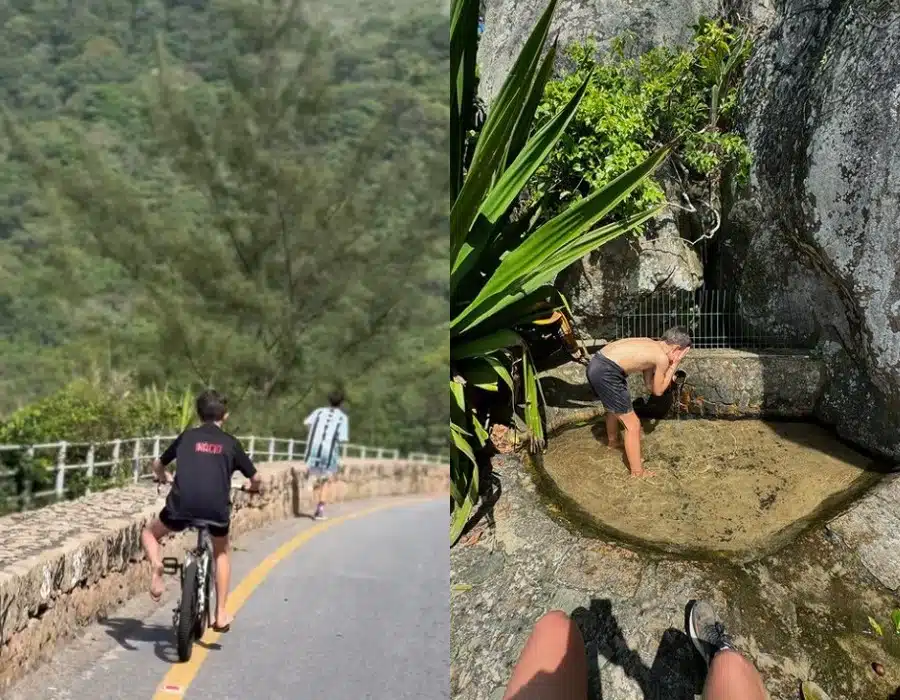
[[360, 609]]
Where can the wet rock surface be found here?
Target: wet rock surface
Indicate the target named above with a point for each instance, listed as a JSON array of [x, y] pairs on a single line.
[[800, 614]]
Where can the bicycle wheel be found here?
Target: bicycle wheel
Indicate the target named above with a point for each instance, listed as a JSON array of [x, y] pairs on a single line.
[[203, 615], [187, 613]]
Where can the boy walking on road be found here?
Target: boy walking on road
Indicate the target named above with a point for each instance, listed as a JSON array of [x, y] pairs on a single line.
[[607, 371], [328, 430]]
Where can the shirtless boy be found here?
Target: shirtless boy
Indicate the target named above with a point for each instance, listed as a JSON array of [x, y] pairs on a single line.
[[606, 372]]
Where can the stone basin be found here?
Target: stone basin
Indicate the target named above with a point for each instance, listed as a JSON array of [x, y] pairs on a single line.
[[736, 488]]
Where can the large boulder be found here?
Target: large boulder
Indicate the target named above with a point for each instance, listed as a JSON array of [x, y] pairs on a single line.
[[607, 283], [653, 23], [814, 245], [509, 22]]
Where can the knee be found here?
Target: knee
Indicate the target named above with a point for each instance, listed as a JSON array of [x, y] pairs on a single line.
[[732, 664], [555, 625], [631, 423]]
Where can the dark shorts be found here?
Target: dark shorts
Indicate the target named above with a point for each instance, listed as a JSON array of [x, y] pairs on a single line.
[[176, 524], [609, 383]]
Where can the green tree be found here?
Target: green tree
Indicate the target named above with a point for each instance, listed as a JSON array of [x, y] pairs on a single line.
[[263, 214]]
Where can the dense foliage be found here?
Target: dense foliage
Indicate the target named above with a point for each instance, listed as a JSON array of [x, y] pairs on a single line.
[[503, 259], [228, 193], [634, 103]]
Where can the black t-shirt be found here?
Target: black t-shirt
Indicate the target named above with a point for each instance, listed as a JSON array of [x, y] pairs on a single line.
[[207, 457]]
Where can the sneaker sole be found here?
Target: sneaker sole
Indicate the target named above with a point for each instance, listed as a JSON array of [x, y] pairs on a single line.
[[692, 631]]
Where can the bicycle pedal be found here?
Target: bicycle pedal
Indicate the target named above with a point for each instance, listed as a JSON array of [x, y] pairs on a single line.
[[170, 565]]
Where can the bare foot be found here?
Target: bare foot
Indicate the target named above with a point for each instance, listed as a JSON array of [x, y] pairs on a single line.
[[613, 442], [642, 472], [157, 584], [223, 623]]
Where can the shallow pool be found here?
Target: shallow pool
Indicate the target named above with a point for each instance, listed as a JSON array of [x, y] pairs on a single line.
[[732, 487]]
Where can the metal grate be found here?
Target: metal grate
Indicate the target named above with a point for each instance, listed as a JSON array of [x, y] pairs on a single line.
[[711, 316]]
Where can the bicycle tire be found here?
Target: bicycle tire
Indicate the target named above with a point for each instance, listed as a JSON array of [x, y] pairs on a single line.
[[203, 615], [187, 613]]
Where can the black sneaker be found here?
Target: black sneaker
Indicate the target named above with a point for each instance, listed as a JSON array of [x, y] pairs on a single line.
[[706, 630]]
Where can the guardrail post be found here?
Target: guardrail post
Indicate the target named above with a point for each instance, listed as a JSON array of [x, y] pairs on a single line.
[[29, 477], [251, 446], [290, 449], [271, 449], [61, 471], [117, 449], [380, 453], [362, 452], [344, 450], [396, 454], [156, 447], [136, 457], [90, 468]]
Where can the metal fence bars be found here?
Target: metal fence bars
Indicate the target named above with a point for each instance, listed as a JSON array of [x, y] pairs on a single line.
[[712, 317], [35, 475]]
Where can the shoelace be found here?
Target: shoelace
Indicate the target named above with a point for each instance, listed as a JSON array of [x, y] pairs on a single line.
[[722, 639]]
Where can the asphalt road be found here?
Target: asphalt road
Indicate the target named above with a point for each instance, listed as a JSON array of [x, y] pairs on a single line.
[[359, 610]]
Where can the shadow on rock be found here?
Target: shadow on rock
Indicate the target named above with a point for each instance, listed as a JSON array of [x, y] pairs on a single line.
[[130, 633], [677, 672], [563, 394], [491, 489]]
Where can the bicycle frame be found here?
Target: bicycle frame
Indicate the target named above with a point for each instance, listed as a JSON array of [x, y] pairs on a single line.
[[202, 554]]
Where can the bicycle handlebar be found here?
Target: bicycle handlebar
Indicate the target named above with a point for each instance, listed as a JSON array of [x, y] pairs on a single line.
[[159, 483]]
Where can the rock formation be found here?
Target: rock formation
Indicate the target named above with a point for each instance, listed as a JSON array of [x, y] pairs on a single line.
[[814, 245]]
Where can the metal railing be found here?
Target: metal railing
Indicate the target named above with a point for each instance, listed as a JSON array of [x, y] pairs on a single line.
[[711, 316], [43, 473]]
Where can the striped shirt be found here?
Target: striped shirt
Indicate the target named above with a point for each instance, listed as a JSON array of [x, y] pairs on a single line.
[[328, 429]]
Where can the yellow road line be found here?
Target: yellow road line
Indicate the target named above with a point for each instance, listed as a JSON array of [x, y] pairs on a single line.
[[181, 675]]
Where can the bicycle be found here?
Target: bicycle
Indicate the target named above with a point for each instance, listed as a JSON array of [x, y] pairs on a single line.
[[190, 617], [198, 574]]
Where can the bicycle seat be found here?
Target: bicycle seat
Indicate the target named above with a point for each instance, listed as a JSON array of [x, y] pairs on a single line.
[[205, 524]]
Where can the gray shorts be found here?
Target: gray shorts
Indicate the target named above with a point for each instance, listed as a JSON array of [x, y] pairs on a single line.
[[609, 383]]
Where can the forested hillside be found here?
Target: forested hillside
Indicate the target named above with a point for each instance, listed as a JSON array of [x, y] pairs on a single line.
[[245, 194]]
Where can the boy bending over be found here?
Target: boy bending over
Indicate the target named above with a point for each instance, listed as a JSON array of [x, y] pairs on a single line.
[[207, 457], [607, 371]]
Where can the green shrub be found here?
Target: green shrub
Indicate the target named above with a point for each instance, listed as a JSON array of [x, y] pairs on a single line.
[[80, 413], [635, 103]]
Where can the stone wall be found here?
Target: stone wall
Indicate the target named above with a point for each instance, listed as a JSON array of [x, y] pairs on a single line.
[[718, 384], [63, 566]]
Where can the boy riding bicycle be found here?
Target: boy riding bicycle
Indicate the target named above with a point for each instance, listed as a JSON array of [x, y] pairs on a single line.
[[207, 457]]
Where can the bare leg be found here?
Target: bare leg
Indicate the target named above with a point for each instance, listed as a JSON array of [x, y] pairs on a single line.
[[222, 553], [319, 495], [632, 425], [732, 677], [150, 537], [612, 429], [553, 664]]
